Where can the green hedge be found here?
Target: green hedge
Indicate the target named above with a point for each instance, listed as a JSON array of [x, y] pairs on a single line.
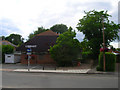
[[117, 58], [110, 60], [86, 56], [6, 49]]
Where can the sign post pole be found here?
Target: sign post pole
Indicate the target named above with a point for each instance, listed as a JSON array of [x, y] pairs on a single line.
[[29, 53], [28, 63]]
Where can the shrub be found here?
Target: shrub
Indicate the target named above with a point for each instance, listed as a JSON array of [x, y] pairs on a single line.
[[6, 49], [87, 56], [118, 58], [110, 60], [66, 49]]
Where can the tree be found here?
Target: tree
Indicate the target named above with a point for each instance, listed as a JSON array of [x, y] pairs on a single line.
[[40, 30], [85, 46], [67, 48], [2, 37], [118, 49], [59, 28], [91, 26], [15, 39]]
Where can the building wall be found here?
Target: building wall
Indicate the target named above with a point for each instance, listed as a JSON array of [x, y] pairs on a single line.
[[37, 59]]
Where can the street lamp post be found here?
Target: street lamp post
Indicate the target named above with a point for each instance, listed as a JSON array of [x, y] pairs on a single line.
[[103, 42]]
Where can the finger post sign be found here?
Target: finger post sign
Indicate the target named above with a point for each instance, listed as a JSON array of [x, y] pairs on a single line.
[[29, 51]]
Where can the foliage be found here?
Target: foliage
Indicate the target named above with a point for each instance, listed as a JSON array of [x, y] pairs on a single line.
[[6, 49], [40, 30], [110, 60], [91, 26], [112, 48], [85, 46], [118, 49], [87, 56], [15, 39], [59, 28], [66, 48], [2, 37], [118, 58], [104, 49]]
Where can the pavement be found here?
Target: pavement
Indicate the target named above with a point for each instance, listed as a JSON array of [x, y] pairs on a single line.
[[53, 71], [23, 68]]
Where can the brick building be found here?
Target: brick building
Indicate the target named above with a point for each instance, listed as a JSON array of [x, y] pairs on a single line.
[[40, 53]]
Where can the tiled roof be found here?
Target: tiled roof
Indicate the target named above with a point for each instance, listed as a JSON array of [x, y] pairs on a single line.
[[43, 41], [4, 42], [48, 33]]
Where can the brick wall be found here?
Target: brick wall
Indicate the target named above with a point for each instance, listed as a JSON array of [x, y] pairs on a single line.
[[37, 59]]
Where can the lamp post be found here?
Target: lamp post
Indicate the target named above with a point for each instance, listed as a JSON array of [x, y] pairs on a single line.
[[103, 42]]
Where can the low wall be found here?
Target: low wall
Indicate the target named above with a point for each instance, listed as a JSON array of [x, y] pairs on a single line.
[[37, 59]]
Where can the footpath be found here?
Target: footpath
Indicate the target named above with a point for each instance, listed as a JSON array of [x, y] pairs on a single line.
[[83, 69]]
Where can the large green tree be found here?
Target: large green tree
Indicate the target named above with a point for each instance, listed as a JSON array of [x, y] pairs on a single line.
[[92, 27], [15, 39], [59, 28], [67, 48], [40, 30]]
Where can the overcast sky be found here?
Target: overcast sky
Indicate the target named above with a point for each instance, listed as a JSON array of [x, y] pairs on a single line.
[[25, 16]]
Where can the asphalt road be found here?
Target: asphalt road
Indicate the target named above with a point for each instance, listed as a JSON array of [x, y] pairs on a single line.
[[50, 80]]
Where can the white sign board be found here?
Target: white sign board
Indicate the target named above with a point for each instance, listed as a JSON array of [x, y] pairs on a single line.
[[28, 53], [29, 46]]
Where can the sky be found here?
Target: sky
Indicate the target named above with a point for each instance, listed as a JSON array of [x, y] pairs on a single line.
[[25, 16]]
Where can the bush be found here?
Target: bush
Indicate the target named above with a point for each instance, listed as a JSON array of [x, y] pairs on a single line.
[[118, 58], [6, 49], [66, 49], [110, 60], [86, 56], [64, 63]]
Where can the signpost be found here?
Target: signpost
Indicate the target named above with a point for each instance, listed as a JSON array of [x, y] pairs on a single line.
[[30, 46], [29, 51]]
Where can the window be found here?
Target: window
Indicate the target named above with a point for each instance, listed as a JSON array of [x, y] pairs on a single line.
[[8, 56]]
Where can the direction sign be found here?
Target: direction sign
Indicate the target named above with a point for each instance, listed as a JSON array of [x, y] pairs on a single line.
[[29, 50], [30, 46]]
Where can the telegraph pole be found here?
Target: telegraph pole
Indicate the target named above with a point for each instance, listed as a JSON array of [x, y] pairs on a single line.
[[103, 42]]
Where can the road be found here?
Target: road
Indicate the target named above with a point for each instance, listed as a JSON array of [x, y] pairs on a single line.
[[51, 80]]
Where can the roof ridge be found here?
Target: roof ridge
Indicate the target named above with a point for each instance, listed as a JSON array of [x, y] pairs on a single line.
[[48, 33]]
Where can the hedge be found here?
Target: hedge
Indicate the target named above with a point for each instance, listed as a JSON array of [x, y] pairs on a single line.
[[6, 49], [87, 56], [110, 60], [118, 58]]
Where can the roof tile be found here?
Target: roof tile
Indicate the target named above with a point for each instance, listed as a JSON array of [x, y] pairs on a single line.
[[48, 33]]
